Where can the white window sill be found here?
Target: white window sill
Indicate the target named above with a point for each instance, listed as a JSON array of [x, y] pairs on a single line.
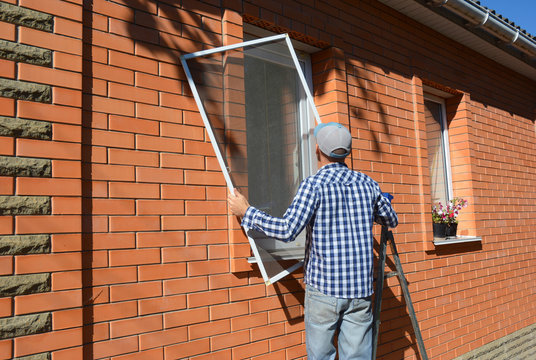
[[456, 240]]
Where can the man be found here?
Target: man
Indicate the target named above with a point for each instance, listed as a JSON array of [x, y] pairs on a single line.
[[339, 207]]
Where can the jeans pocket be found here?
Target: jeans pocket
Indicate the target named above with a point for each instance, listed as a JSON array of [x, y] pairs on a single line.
[[320, 308]]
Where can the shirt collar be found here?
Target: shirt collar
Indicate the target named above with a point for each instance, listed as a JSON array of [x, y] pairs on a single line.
[[334, 165]]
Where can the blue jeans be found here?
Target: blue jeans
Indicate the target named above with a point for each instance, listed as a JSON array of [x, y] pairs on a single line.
[[325, 315]]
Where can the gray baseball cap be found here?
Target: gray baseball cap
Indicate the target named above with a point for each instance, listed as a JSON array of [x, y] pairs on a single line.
[[332, 136]]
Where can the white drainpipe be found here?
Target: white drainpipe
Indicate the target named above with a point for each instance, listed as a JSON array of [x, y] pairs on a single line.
[[481, 17]]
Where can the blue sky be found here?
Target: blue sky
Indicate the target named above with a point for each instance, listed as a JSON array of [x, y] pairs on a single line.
[[521, 12]]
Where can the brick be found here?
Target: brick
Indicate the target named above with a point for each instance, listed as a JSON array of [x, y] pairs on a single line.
[[185, 192], [66, 169], [206, 207], [112, 172], [113, 207], [154, 354], [158, 83], [156, 207], [114, 311], [225, 311], [66, 319], [133, 31], [249, 321], [159, 175], [112, 73], [135, 291], [49, 112], [54, 187], [182, 131], [112, 106], [268, 331], [155, 143], [56, 7], [6, 265], [7, 106], [63, 132], [163, 338], [131, 93], [134, 257], [182, 161], [188, 253], [66, 280], [249, 350], [230, 340], [133, 157], [119, 275], [6, 225], [134, 223], [52, 150], [47, 224], [199, 148], [136, 63], [130, 124], [170, 222], [111, 41], [136, 325], [132, 190], [187, 349], [206, 237], [178, 101], [161, 271], [54, 77], [181, 286], [163, 304], [68, 354], [47, 301], [67, 62], [115, 347], [147, 111], [207, 298], [50, 41], [49, 341], [194, 177], [211, 328], [160, 239]]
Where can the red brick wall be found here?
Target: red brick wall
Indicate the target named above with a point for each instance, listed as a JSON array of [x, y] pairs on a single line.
[[144, 263]]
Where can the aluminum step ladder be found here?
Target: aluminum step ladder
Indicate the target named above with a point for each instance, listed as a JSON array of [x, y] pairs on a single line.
[[387, 236]]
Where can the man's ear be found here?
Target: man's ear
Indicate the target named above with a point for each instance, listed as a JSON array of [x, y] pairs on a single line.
[[318, 153]]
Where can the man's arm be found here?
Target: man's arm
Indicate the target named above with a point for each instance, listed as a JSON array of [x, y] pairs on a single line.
[[385, 214], [286, 228]]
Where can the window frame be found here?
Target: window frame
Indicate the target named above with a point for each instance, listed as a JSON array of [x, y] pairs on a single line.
[[445, 142], [305, 128]]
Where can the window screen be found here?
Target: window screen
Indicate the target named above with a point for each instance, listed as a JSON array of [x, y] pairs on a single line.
[[260, 116], [438, 154]]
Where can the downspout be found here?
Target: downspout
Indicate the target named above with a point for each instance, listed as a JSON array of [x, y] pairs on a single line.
[[483, 18]]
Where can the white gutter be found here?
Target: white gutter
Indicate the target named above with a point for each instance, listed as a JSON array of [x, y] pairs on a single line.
[[481, 17]]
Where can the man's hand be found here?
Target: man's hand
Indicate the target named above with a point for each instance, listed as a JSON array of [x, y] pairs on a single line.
[[238, 204]]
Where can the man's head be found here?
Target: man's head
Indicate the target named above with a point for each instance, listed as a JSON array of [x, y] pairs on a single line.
[[333, 140]]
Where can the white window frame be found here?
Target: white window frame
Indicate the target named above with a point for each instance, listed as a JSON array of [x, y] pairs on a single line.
[[311, 164], [445, 139]]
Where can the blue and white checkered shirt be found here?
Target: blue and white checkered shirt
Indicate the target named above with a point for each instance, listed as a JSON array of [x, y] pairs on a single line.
[[339, 206]]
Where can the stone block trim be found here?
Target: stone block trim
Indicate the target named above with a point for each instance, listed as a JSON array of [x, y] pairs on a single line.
[[25, 205], [41, 356], [22, 90], [24, 244], [25, 325], [32, 129], [24, 53], [30, 18], [13, 285], [16, 166], [520, 345]]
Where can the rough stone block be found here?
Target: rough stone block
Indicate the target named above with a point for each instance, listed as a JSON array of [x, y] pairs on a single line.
[[25, 205], [17, 166], [24, 244], [13, 285], [25, 53], [26, 17], [25, 90], [32, 129], [41, 356], [25, 325]]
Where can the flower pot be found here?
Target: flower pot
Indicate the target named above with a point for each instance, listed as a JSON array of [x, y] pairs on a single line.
[[451, 229], [440, 230]]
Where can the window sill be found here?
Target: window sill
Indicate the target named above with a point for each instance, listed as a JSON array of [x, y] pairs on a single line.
[[456, 240], [283, 254]]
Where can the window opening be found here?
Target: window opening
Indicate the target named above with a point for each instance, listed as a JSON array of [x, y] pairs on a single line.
[[438, 149], [260, 115]]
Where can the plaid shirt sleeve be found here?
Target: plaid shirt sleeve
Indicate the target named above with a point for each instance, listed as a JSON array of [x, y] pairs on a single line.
[[293, 221], [385, 215]]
